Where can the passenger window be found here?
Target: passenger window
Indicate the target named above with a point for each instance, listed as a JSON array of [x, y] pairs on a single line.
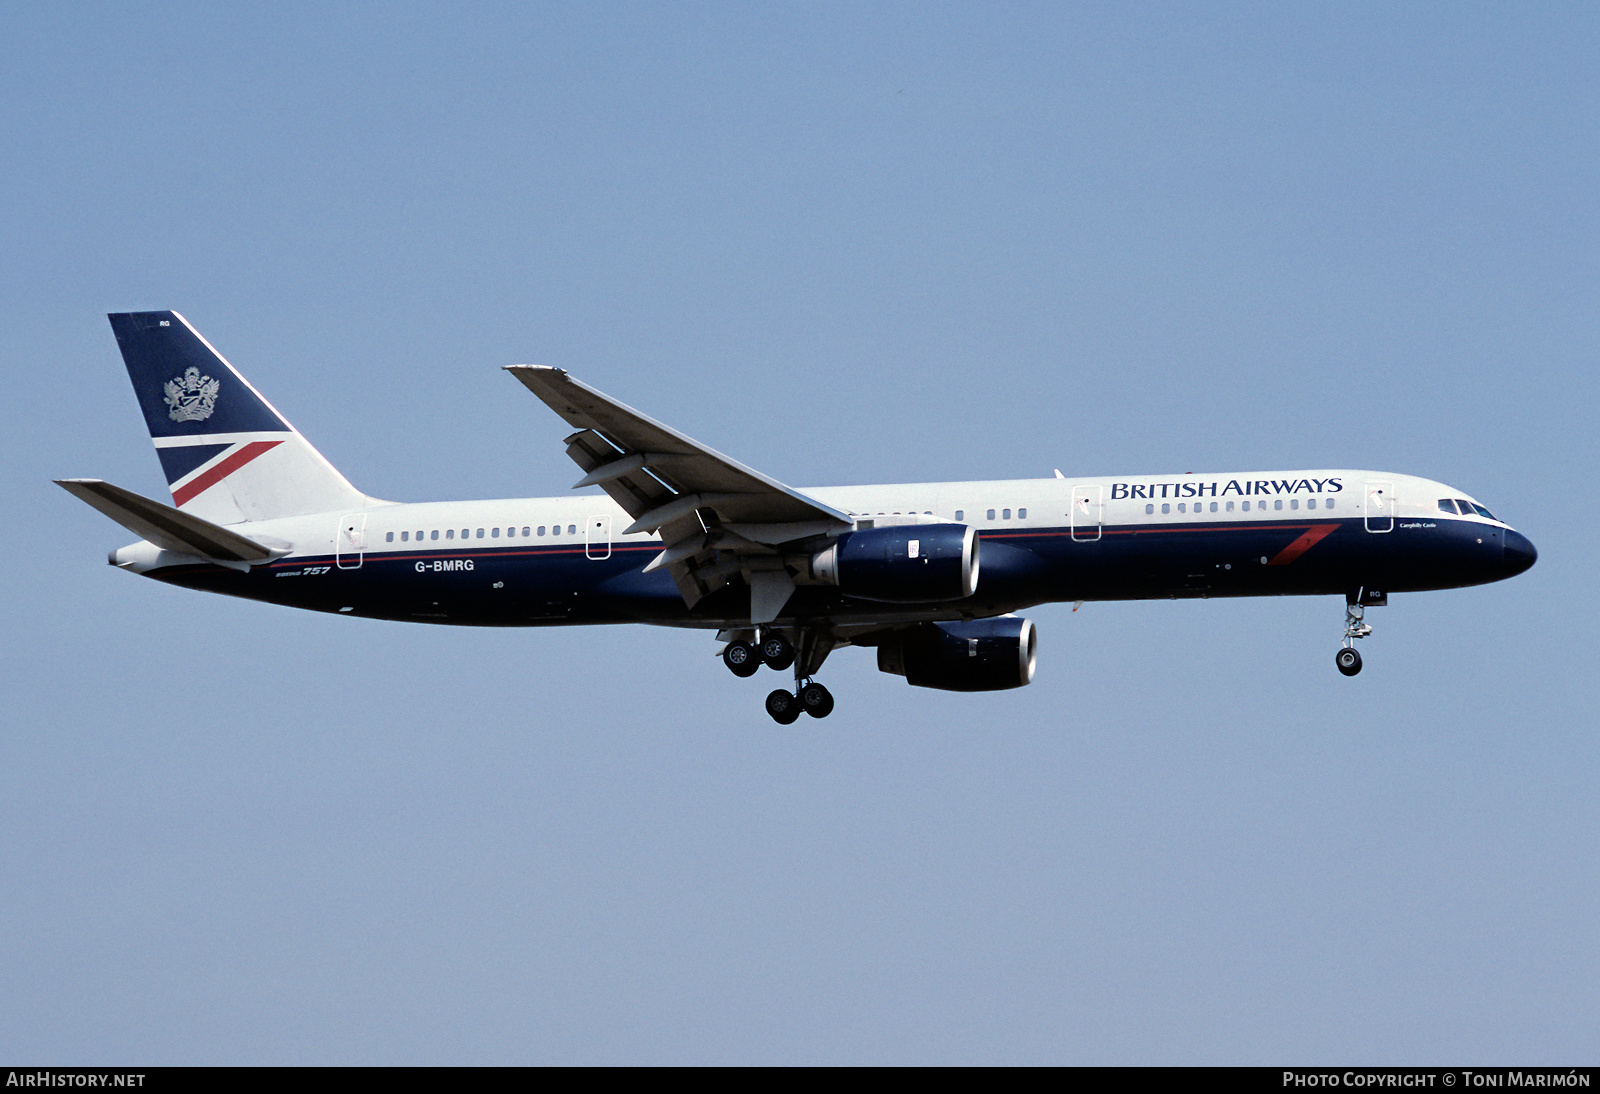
[[449, 533], [1294, 503], [389, 538], [572, 529], [404, 537], [466, 533], [1005, 514], [541, 529], [1166, 507], [434, 534], [1149, 507], [494, 533], [961, 514], [419, 537], [525, 533], [1183, 507], [1277, 503], [555, 529], [1327, 503], [1245, 506], [1213, 507], [1022, 514], [1311, 503], [991, 514], [1230, 507]]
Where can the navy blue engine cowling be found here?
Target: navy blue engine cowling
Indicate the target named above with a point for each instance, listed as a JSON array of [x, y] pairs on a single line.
[[980, 655], [902, 564]]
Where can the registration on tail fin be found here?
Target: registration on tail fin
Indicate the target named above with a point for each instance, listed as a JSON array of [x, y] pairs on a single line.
[[227, 454]]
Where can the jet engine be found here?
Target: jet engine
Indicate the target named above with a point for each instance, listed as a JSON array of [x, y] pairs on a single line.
[[978, 655], [902, 564]]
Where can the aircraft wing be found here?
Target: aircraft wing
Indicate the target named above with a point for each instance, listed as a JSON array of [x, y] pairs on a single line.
[[719, 520]]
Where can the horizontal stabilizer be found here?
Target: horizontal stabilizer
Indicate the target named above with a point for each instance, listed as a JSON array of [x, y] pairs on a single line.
[[166, 527]]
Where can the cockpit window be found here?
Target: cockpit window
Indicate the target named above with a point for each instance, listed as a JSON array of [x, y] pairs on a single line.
[[1446, 505], [1482, 512]]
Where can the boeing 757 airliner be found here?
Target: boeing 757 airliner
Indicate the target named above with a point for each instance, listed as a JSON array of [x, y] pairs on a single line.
[[929, 574]]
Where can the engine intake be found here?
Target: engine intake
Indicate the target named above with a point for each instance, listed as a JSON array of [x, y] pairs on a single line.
[[980, 655], [902, 564]]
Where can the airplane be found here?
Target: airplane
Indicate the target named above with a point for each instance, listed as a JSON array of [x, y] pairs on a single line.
[[930, 575]]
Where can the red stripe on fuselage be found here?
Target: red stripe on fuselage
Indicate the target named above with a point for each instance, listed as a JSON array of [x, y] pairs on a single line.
[[1313, 536], [222, 470]]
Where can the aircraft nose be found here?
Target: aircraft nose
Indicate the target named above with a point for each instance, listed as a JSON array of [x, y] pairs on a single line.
[[1519, 553]]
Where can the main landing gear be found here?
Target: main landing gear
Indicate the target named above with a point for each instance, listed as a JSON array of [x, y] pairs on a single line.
[[1355, 626], [744, 658], [812, 698]]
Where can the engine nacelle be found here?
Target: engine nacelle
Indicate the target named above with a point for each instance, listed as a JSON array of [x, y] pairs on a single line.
[[902, 564], [980, 655]]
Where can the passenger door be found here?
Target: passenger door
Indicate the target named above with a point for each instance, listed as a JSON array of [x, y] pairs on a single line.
[[350, 543], [1087, 507], [597, 537], [1379, 506]]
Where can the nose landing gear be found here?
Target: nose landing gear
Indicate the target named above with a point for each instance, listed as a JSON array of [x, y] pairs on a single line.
[[1355, 626]]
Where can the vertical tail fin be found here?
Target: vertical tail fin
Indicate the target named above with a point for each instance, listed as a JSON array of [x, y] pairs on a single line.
[[228, 455]]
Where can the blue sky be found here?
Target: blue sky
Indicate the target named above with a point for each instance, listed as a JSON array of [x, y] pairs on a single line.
[[844, 244]]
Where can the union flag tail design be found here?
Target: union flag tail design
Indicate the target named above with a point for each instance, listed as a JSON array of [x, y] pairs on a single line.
[[228, 455]]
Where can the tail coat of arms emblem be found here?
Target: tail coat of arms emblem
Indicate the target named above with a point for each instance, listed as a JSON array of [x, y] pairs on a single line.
[[191, 397]]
